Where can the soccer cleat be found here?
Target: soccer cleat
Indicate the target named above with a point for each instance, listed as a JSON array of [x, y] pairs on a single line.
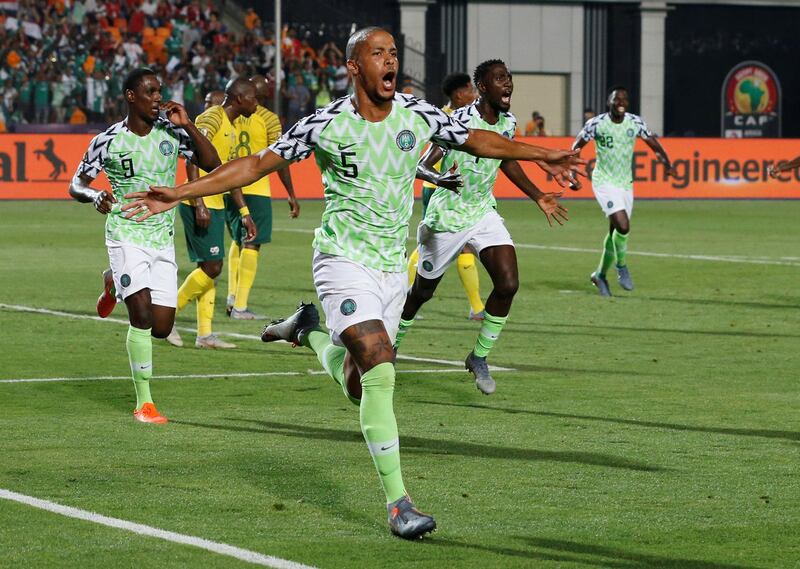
[[480, 369], [624, 277], [601, 283], [477, 316], [408, 522], [291, 329], [213, 342], [229, 304], [245, 315], [149, 414], [107, 301], [174, 338]]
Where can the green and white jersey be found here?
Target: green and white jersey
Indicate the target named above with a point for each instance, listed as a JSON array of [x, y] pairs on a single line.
[[133, 163], [368, 170], [614, 148], [448, 211]]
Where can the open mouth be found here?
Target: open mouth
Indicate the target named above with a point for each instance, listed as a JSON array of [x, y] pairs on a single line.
[[621, 110], [506, 99], [388, 80]]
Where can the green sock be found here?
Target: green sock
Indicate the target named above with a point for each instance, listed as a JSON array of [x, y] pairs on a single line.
[[380, 428], [608, 255], [490, 331], [620, 247], [140, 355], [331, 357], [402, 330]]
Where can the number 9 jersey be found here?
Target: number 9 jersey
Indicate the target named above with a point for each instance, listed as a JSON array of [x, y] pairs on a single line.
[[133, 163]]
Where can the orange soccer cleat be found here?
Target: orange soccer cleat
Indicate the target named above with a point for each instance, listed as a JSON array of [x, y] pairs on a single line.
[[149, 414], [107, 300]]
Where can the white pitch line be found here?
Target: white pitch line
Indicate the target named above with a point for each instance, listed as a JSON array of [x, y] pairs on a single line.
[[782, 261], [141, 529], [21, 308], [211, 375]]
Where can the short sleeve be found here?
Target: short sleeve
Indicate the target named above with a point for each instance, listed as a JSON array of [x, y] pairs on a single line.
[[589, 130], [186, 147], [641, 127], [210, 121], [446, 131], [92, 162], [300, 140], [272, 123]]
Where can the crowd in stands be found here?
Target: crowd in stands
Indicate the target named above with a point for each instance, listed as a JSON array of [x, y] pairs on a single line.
[[64, 61]]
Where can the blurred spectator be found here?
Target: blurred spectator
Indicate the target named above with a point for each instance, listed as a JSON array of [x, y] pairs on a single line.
[[588, 114], [341, 78], [535, 126], [299, 97], [251, 19], [41, 97]]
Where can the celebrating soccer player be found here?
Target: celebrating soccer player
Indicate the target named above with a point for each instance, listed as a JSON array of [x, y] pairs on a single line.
[[614, 134], [135, 153], [366, 147], [469, 218]]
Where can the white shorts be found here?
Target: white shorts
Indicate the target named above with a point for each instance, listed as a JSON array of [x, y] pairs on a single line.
[[136, 268], [351, 293], [612, 199], [437, 249]]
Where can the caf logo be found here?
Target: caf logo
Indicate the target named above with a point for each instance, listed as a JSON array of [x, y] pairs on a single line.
[[125, 280], [166, 148], [406, 140], [630, 133]]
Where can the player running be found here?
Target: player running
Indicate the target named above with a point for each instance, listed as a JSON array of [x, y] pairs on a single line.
[[454, 221], [615, 134], [253, 134], [366, 147], [139, 151], [458, 89]]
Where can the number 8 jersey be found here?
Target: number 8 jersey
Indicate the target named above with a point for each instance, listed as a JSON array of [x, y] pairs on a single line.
[[614, 147], [368, 171], [133, 163]]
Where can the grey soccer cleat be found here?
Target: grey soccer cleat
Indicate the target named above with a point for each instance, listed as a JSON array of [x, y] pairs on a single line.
[[245, 315], [480, 369], [624, 277], [601, 283], [408, 522], [212, 342], [290, 329]]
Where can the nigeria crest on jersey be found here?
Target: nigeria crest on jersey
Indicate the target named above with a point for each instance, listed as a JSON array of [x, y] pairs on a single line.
[[406, 140]]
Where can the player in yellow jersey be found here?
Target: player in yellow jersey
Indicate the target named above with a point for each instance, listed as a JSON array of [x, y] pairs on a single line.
[[253, 134], [458, 89], [204, 218]]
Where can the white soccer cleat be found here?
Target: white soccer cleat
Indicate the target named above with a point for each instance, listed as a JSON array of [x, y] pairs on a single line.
[[174, 338]]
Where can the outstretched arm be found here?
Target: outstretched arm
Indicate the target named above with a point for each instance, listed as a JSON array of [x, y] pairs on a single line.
[[548, 203], [234, 174], [655, 145], [80, 190], [562, 164]]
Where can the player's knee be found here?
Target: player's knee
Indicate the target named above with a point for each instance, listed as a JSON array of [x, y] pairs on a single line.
[[160, 332], [507, 286], [380, 377], [212, 268], [421, 294]]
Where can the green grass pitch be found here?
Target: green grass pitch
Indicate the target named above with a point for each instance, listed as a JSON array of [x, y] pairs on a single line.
[[656, 429]]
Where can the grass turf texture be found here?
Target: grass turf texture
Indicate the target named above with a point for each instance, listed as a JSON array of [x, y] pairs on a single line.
[[658, 428]]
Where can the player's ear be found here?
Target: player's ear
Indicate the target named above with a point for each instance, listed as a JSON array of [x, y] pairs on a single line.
[[352, 66]]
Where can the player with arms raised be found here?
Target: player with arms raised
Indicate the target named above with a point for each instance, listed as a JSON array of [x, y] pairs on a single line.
[[614, 134], [366, 147], [135, 153], [470, 219]]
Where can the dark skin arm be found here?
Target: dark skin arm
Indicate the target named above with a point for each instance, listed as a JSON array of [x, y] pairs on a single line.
[[234, 174], [776, 170], [202, 216], [563, 165], [547, 202], [286, 180], [655, 146], [205, 154]]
